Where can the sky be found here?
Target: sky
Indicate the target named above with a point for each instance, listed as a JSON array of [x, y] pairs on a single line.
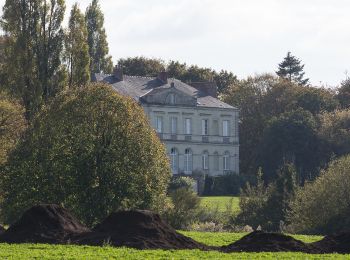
[[246, 37]]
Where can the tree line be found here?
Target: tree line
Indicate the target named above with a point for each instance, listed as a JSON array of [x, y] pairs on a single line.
[[39, 57]]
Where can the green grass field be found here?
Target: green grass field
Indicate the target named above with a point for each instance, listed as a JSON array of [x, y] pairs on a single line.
[[220, 202], [40, 251]]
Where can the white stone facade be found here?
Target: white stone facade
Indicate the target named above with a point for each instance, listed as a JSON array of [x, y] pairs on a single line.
[[191, 149]]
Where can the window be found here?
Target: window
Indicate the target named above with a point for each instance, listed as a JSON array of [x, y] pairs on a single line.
[[188, 160], [204, 126], [173, 125], [188, 126], [174, 160], [215, 127], [205, 160], [226, 161], [216, 161], [172, 99], [225, 128], [159, 124]]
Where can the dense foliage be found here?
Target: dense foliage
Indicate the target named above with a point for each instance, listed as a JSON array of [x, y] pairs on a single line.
[[91, 150], [267, 205], [142, 66], [228, 184], [100, 61], [279, 123], [322, 206], [12, 124]]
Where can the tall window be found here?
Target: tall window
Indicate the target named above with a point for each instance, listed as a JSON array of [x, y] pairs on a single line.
[[173, 125], [226, 161], [216, 161], [225, 128], [174, 160], [188, 160], [188, 126], [205, 160], [204, 126], [159, 124]]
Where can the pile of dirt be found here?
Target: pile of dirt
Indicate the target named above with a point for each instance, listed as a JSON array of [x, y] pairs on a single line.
[[144, 229], [46, 223], [259, 241], [139, 229], [339, 243]]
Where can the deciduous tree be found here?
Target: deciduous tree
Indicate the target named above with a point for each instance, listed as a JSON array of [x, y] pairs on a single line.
[[77, 49], [100, 61], [91, 150]]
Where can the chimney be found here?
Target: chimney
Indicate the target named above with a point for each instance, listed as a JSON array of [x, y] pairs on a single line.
[[163, 77], [118, 73], [208, 88]]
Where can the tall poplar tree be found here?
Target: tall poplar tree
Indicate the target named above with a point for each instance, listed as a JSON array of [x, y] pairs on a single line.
[[77, 49], [291, 69], [33, 45], [100, 61]]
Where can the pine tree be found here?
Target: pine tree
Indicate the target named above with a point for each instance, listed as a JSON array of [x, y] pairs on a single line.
[[100, 61], [77, 49], [33, 46], [291, 69]]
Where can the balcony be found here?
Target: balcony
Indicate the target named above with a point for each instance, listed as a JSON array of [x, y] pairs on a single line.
[[205, 139], [188, 138]]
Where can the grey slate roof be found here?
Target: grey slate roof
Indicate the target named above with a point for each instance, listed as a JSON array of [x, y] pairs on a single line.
[[136, 87]]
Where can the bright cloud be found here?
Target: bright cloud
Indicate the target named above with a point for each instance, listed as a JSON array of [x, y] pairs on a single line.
[[244, 36]]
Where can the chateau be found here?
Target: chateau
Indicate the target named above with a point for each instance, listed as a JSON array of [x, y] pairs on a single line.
[[200, 132]]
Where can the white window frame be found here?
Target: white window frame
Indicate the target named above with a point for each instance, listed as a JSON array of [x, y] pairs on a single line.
[[188, 126], [216, 160], [205, 160], [188, 160], [159, 124], [173, 125], [226, 161], [174, 159], [205, 126], [225, 128]]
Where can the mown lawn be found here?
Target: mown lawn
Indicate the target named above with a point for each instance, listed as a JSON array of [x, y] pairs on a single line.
[[40, 251], [220, 202]]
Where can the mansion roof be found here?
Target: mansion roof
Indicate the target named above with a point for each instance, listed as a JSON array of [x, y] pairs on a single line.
[[151, 90]]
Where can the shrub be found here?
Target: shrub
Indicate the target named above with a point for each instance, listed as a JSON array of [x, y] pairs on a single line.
[[227, 184], [322, 206], [267, 206], [178, 182], [91, 150], [185, 208]]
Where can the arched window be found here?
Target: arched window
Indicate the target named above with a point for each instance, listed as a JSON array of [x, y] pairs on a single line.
[[174, 157], [205, 160], [216, 161], [226, 161], [188, 160]]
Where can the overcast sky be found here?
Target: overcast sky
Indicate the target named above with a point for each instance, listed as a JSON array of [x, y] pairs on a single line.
[[243, 36]]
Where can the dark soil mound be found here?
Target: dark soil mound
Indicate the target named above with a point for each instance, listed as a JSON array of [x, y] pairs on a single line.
[[339, 243], [259, 241], [140, 229], [47, 223]]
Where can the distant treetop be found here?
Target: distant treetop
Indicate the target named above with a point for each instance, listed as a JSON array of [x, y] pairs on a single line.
[[291, 69]]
